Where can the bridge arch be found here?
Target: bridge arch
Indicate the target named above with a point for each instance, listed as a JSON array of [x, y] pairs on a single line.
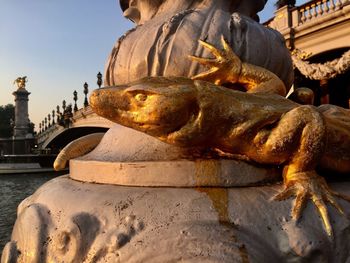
[[314, 27], [58, 141], [83, 122]]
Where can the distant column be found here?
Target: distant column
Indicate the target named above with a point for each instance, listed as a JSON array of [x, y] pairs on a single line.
[[22, 140], [21, 113]]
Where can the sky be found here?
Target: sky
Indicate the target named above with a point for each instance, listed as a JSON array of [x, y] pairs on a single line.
[[59, 45]]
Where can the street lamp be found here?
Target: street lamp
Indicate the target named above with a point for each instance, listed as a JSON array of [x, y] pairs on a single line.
[[75, 98], [99, 79], [58, 113], [53, 117], [49, 119], [64, 105], [86, 91]]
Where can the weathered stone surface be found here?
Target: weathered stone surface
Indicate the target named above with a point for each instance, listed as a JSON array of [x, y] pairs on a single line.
[[163, 39], [122, 144], [139, 224], [21, 113], [141, 11]]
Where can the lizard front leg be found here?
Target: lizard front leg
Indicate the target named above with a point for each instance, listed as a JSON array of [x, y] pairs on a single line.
[[301, 135], [226, 67]]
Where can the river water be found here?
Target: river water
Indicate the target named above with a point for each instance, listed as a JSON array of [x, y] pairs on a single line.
[[13, 189]]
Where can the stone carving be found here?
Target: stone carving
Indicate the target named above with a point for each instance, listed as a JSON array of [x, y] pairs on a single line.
[[167, 31], [21, 82], [140, 11], [319, 71], [109, 223], [263, 127], [47, 234]]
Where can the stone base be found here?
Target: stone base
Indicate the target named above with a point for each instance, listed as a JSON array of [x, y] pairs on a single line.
[[70, 221], [131, 158], [181, 173]]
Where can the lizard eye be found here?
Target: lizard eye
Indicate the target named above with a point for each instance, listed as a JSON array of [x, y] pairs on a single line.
[[141, 97]]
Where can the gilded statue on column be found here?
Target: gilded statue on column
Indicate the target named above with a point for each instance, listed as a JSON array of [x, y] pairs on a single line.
[[21, 82]]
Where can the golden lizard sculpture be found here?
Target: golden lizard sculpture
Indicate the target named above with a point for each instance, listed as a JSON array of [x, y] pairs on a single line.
[[265, 127]]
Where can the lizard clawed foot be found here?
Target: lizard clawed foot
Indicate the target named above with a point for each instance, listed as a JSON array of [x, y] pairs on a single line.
[[225, 67], [309, 185]]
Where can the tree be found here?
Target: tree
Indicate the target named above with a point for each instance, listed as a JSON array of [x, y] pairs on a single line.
[[7, 113], [281, 3]]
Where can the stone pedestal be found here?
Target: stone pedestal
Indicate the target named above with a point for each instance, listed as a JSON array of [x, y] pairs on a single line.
[[22, 141], [21, 113], [136, 199], [22, 145], [70, 221]]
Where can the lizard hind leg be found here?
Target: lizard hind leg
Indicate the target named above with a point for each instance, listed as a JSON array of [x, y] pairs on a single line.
[[310, 186], [307, 131]]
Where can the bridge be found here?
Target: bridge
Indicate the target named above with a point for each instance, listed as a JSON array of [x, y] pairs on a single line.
[[315, 27], [62, 127], [69, 127], [320, 29]]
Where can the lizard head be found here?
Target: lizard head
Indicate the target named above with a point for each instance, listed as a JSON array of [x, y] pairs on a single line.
[[156, 106]]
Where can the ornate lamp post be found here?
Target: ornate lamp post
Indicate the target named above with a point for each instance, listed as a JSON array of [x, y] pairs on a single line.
[[86, 90], [49, 119], [45, 123], [53, 117], [64, 106], [58, 113], [68, 115], [99, 79], [69, 110], [40, 131], [75, 98]]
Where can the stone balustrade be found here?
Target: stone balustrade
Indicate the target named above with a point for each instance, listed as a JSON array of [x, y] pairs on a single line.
[[314, 9], [297, 23], [307, 12], [83, 117]]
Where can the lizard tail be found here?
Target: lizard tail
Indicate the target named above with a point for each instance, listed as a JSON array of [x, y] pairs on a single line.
[[77, 148]]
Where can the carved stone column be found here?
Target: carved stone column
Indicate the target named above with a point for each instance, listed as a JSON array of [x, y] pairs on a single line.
[[21, 113]]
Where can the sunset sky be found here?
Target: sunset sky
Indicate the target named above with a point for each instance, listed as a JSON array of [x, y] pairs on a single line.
[[59, 45]]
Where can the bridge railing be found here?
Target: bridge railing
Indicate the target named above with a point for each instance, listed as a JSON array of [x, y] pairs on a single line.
[[54, 127], [84, 117], [42, 136], [290, 21], [314, 9], [306, 13]]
